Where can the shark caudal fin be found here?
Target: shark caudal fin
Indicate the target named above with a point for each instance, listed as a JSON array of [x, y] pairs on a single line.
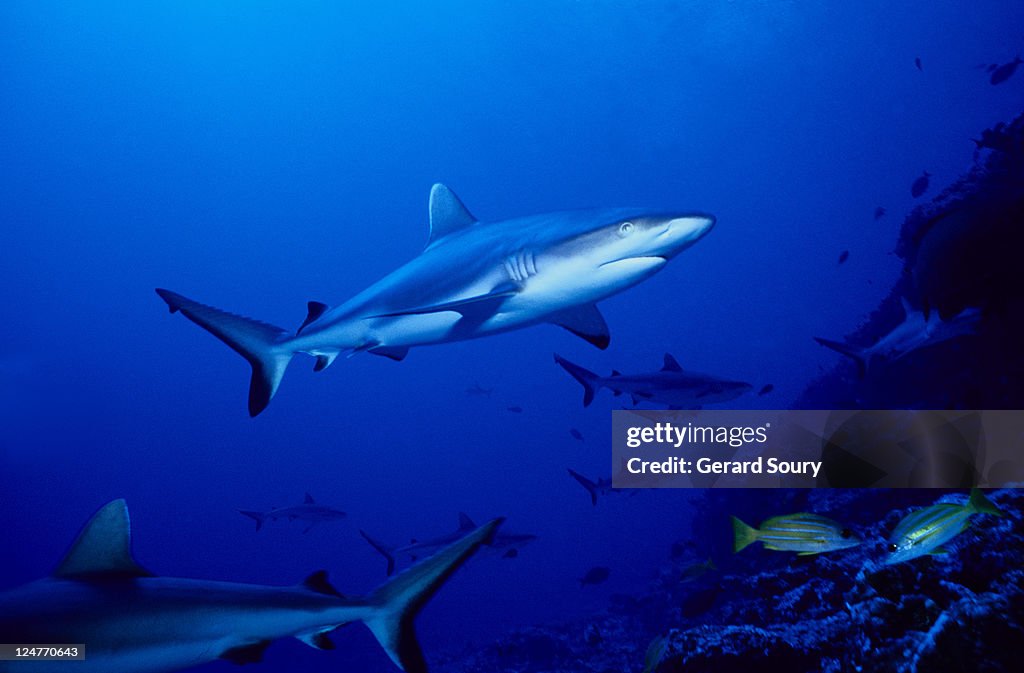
[[256, 341], [585, 483], [742, 534], [385, 551], [587, 379], [396, 604], [259, 517], [853, 352]]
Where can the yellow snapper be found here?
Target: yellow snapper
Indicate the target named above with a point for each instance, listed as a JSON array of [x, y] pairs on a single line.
[[803, 533], [925, 530]]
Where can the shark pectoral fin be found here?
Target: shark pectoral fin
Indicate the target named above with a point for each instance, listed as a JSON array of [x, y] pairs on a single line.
[[479, 307], [447, 214], [396, 604], [586, 322], [318, 640], [396, 353], [103, 548], [247, 654], [314, 310]]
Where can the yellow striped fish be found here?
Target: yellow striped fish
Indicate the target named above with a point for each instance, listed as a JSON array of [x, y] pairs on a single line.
[[803, 533], [925, 530]]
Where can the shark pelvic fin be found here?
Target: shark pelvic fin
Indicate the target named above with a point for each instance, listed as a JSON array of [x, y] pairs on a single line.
[[586, 322], [314, 310], [401, 598], [671, 365], [447, 214], [103, 548]]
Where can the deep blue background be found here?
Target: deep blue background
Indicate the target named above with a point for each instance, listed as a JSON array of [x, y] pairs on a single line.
[[258, 155]]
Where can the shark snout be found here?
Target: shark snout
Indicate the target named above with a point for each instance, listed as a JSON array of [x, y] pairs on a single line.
[[681, 232]]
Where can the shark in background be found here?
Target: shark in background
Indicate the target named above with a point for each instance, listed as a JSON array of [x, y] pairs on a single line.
[[603, 485], [671, 385], [505, 543], [310, 511], [133, 621], [917, 331], [473, 279]]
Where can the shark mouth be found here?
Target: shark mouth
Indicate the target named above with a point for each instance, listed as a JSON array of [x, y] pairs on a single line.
[[635, 258]]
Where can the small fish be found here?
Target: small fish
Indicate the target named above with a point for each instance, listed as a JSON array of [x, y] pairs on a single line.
[[917, 62], [803, 533], [926, 530], [697, 570], [595, 576], [920, 185], [843, 256], [576, 434], [516, 410], [767, 389], [879, 212], [476, 390], [1004, 72], [655, 651]]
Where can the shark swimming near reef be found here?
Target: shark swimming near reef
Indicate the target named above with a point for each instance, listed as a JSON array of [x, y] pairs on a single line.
[[671, 385], [132, 621], [917, 331], [507, 544], [473, 279], [310, 511]]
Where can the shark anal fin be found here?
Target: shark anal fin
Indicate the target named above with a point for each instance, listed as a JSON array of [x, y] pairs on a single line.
[[247, 654], [314, 310], [479, 307], [103, 549], [319, 583], [447, 214], [586, 322], [396, 353]]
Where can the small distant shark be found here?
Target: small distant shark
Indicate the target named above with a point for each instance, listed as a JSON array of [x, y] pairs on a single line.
[[309, 511], [507, 543], [602, 486], [671, 385], [472, 280], [917, 331], [134, 622], [476, 390]]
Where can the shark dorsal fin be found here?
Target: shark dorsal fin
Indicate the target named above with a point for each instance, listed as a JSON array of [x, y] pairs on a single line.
[[319, 583], [447, 214], [670, 364], [309, 499], [465, 523], [103, 548]]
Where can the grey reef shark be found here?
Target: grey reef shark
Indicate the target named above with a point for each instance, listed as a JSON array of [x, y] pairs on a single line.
[[310, 511], [473, 279], [671, 385], [507, 544], [132, 621], [917, 331]]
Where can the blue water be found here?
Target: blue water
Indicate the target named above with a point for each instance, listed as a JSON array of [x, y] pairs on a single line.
[[259, 155]]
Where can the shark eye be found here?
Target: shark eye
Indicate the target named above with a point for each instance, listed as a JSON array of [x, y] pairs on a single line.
[[846, 534], [893, 547], [625, 229]]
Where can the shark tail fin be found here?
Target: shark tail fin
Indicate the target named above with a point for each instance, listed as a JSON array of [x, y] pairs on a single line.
[[383, 550], [586, 378], [981, 504], [856, 354], [258, 517], [585, 483], [401, 598], [257, 342], [743, 535]]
